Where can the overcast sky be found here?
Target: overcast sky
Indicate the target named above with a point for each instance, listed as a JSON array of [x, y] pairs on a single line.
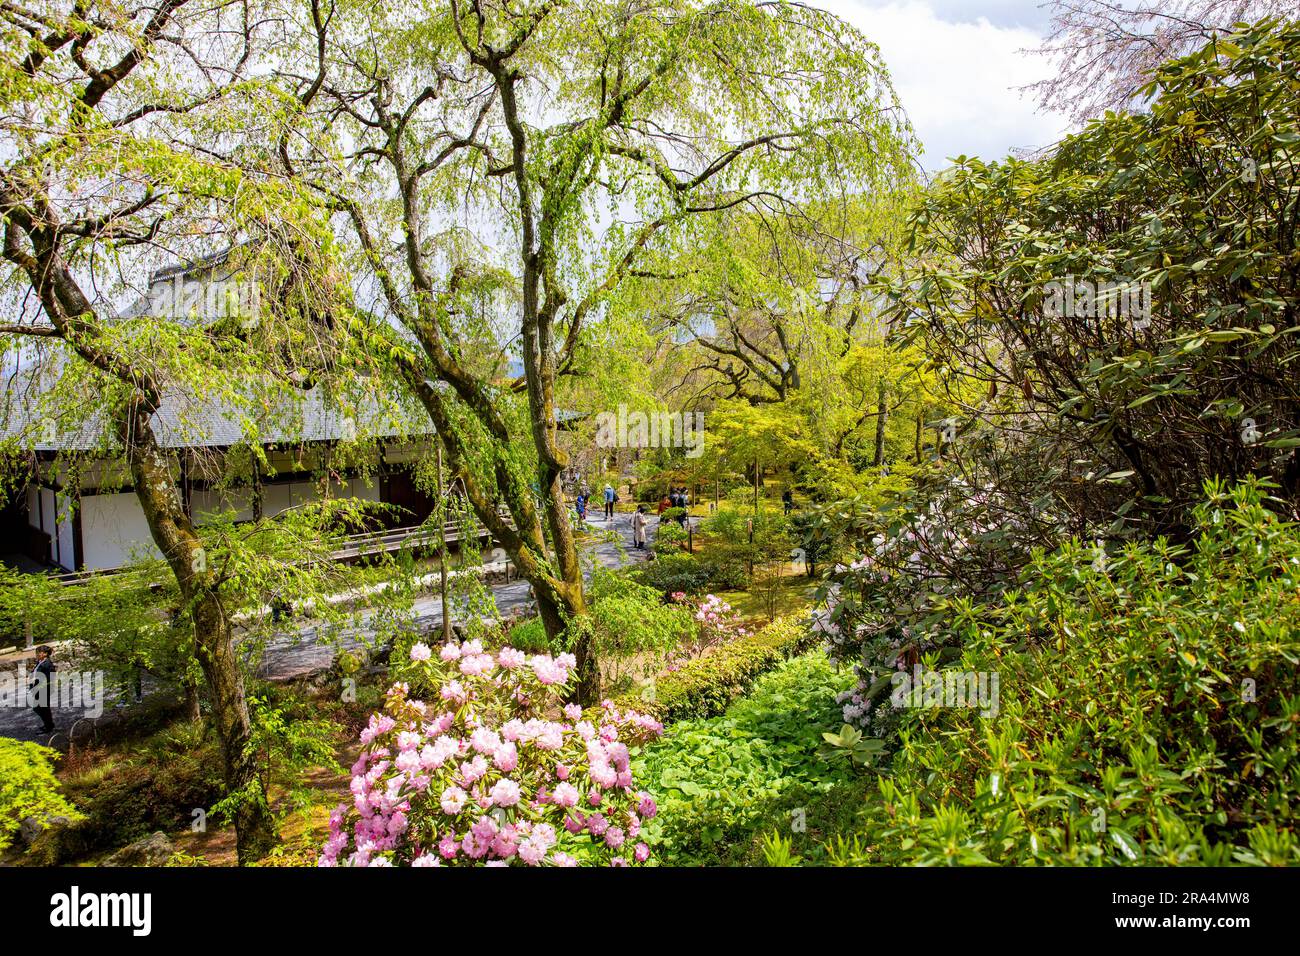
[[956, 65]]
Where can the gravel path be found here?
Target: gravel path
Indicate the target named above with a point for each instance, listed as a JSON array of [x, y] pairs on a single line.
[[305, 650]]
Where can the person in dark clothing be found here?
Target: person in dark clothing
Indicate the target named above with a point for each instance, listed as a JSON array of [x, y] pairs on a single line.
[[40, 688], [787, 499]]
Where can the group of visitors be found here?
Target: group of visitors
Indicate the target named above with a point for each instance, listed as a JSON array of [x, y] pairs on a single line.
[[675, 498], [608, 494]]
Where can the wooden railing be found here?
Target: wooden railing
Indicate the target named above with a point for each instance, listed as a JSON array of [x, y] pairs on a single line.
[[350, 546]]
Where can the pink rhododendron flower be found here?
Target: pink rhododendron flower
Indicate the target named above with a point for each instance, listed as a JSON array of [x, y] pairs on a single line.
[[510, 658], [505, 793], [506, 757], [453, 800], [494, 778], [565, 795]]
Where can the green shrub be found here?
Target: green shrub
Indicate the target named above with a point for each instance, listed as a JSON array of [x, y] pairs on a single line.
[[672, 573], [670, 538], [633, 631], [1148, 711], [706, 686], [530, 636], [28, 787], [726, 574], [719, 782]]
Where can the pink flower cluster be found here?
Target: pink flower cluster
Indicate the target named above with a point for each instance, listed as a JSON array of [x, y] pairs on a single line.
[[463, 768], [718, 623]]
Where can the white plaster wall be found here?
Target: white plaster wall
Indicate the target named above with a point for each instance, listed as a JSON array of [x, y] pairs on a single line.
[[66, 551], [357, 488], [205, 502], [113, 531]]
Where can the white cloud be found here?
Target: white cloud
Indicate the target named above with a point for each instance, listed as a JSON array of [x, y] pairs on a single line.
[[959, 78]]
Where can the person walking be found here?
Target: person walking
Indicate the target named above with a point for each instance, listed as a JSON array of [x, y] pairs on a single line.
[[638, 527], [610, 498], [580, 503], [41, 687], [787, 499]]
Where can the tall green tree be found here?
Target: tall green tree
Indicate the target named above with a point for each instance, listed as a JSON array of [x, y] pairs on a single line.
[[504, 167], [127, 131]]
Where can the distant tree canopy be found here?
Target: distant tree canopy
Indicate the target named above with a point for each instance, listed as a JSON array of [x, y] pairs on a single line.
[[1104, 52]]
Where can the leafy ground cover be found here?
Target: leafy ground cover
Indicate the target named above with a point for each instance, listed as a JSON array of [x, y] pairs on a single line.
[[721, 780]]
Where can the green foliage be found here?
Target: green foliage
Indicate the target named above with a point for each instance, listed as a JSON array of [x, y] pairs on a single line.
[[168, 777], [1130, 410], [1149, 709], [28, 787], [725, 572], [716, 778], [707, 685], [632, 631], [530, 635], [671, 573], [850, 745], [754, 542], [743, 437], [289, 739], [670, 537]]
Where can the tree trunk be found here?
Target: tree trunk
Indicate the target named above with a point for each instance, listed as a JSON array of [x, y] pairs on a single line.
[[192, 709], [556, 613], [882, 413], [214, 643]]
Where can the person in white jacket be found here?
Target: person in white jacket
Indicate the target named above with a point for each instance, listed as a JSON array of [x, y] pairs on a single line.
[[638, 527]]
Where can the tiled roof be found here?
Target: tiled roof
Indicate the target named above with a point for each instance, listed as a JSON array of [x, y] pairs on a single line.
[[188, 421], [185, 421]]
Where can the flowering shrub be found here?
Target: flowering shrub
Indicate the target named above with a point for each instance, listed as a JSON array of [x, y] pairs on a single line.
[[464, 767], [889, 609], [1148, 712], [717, 623]]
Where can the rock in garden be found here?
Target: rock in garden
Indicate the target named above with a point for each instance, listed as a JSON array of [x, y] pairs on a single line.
[[153, 850], [31, 827]]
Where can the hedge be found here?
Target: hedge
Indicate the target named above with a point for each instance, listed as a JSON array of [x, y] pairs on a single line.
[[706, 686]]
